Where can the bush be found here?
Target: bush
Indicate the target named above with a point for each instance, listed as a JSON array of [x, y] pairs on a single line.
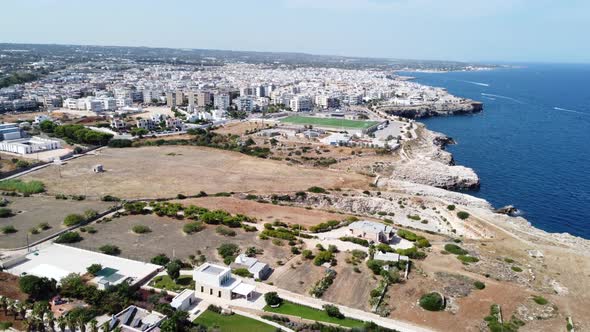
[[272, 299], [120, 143], [73, 220], [9, 229], [323, 257], [36, 287], [307, 254], [333, 311], [462, 215], [222, 230], [109, 198], [412, 253], [228, 251], [432, 302], [173, 269], [540, 300], [479, 285], [355, 240], [43, 226], [516, 269], [317, 190], [23, 187], [68, 237], [451, 207], [110, 249], [193, 227], [5, 212], [94, 269], [242, 272], [455, 249], [141, 229], [160, 259], [467, 259]]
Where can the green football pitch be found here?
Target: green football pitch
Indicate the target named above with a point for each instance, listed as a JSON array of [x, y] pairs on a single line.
[[329, 122]]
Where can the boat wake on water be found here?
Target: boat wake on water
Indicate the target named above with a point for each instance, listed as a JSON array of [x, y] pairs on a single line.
[[477, 83], [502, 97], [568, 110]]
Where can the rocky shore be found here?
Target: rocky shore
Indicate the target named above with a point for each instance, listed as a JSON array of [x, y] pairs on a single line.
[[467, 106]]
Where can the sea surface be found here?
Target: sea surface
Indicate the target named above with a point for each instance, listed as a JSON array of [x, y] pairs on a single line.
[[531, 144]]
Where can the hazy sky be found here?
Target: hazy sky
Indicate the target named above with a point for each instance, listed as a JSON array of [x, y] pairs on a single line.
[[473, 30]]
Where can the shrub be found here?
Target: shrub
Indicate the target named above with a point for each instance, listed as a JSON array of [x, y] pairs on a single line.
[[228, 251], [317, 190], [36, 287], [356, 240], [272, 299], [222, 230], [333, 311], [141, 229], [451, 207], [110, 249], [193, 227], [23, 187], [462, 215], [432, 302], [516, 269], [94, 269], [68, 237], [109, 198], [160, 259], [9, 229], [120, 143], [466, 259], [412, 253], [479, 285], [455, 249], [422, 243], [73, 220], [135, 207], [323, 257], [43, 226], [5, 213], [307, 254], [242, 272]]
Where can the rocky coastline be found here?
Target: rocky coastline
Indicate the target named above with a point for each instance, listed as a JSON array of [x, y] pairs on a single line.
[[466, 106]]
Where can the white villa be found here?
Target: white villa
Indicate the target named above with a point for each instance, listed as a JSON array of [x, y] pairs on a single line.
[[372, 231], [258, 269], [216, 280]]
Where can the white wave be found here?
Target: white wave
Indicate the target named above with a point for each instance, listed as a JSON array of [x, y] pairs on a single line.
[[502, 97], [568, 110], [477, 83], [490, 98]]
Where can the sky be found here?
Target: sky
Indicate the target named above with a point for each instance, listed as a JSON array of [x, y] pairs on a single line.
[[461, 30]]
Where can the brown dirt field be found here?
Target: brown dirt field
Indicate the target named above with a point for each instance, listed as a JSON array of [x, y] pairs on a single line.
[[350, 288], [167, 171], [167, 237], [300, 278], [9, 287], [239, 128], [29, 212], [265, 212]]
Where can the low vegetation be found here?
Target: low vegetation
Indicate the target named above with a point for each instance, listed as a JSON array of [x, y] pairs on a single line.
[[141, 229], [23, 187], [432, 302], [110, 249], [68, 237]]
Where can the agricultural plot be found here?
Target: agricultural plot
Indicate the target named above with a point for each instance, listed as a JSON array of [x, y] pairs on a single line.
[[329, 122], [28, 213], [167, 237], [169, 170]]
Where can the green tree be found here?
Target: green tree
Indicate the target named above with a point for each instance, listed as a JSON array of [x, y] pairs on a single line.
[[173, 269]]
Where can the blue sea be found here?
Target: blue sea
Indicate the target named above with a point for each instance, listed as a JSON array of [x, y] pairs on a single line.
[[531, 144]]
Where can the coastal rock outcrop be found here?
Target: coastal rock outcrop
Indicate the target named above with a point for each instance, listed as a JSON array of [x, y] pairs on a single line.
[[468, 106]]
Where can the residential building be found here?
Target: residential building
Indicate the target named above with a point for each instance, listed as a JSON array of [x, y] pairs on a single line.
[[147, 124], [301, 104], [204, 98], [218, 281], [136, 319], [245, 103], [221, 101], [179, 98], [170, 99], [372, 231], [174, 123], [258, 269], [389, 257], [184, 300], [118, 124]]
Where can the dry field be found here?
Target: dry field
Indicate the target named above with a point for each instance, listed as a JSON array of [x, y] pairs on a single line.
[[239, 128], [167, 171], [265, 212], [29, 212], [298, 275], [167, 237]]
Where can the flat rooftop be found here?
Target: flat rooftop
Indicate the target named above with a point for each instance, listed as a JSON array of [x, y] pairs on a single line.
[[214, 270], [57, 261]]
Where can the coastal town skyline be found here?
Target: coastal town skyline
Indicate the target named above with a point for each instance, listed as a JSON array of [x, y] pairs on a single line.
[[517, 31]]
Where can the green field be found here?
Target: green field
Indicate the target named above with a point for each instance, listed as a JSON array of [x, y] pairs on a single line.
[[231, 323], [165, 282], [293, 309], [329, 122]]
